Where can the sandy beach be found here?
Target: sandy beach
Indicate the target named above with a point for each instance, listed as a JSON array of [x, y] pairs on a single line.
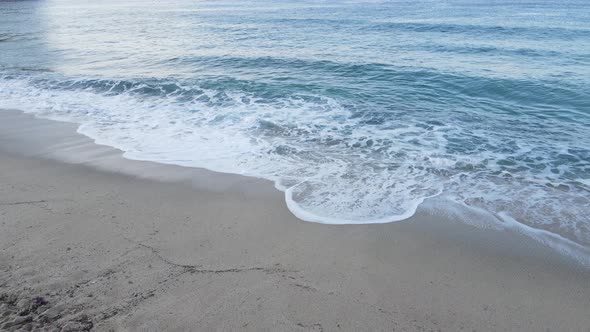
[[90, 240]]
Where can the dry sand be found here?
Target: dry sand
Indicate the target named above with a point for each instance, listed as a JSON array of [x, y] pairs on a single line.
[[85, 245]]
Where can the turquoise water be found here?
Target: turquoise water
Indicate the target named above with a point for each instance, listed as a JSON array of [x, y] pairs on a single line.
[[360, 112]]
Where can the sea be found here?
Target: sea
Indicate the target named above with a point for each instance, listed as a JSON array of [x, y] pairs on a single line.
[[359, 111]]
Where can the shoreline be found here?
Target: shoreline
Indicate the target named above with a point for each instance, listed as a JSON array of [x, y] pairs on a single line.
[[60, 140], [168, 247]]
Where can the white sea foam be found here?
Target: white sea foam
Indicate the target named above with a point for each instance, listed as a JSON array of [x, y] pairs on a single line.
[[502, 221], [332, 168]]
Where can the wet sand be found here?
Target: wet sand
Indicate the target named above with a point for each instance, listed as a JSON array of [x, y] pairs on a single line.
[[90, 240]]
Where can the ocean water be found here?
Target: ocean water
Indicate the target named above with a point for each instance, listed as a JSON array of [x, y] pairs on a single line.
[[360, 111]]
